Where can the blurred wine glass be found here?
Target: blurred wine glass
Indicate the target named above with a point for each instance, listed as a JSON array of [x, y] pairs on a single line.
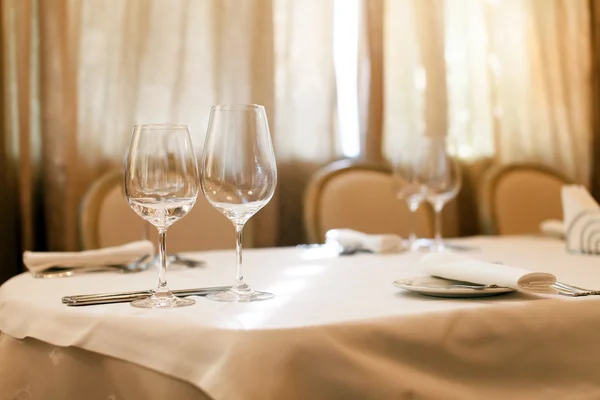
[[408, 188], [161, 186], [239, 176], [441, 179]]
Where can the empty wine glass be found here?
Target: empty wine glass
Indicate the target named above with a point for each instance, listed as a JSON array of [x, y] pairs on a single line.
[[441, 178], [161, 185], [239, 176], [408, 188]]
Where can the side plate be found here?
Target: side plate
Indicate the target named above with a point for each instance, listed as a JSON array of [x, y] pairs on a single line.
[[437, 287]]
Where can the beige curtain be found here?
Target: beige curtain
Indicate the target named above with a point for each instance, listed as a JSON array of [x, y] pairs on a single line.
[[506, 78], [78, 74], [595, 28], [304, 125]]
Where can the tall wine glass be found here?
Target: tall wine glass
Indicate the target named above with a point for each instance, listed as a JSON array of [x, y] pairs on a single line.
[[441, 178], [239, 176], [161, 185], [408, 188]]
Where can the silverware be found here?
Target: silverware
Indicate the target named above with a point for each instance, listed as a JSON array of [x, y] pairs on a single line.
[[337, 248], [573, 291], [569, 290], [137, 265], [124, 297], [475, 286], [459, 247], [173, 259]]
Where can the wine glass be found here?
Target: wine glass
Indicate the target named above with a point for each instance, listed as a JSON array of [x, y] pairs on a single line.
[[407, 187], [441, 178], [161, 185], [239, 176]]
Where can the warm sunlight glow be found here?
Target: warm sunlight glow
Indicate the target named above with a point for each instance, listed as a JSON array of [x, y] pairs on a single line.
[[345, 55]]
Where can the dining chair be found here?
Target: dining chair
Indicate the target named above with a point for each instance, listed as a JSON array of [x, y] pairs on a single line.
[[106, 219], [516, 198], [360, 196]]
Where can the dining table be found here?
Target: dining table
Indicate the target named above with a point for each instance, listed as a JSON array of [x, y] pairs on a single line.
[[337, 328]]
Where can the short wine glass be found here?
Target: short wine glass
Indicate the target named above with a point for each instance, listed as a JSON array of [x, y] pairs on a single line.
[[239, 176], [441, 177], [161, 186]]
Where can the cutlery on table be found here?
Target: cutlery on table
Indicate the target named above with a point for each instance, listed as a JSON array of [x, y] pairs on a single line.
[[562, 289], [138, 265], [573, 291], [179, 260], [123, 297], [475, 286], [569, 290]]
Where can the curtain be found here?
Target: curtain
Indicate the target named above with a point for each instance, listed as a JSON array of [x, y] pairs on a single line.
[[78, 74], [19, 134], [508, 79], [305, 125], [595, 28]]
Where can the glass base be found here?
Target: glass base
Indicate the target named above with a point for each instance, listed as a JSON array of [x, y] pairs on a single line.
[[240, 295], [163, 300]]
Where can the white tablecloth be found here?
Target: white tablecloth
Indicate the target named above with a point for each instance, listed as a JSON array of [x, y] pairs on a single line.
[[337, 328]]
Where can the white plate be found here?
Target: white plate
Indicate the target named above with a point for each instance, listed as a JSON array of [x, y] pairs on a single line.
[[438, 287]]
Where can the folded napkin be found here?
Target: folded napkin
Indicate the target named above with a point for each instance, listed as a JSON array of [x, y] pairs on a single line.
[[581, 219], [576, 200], [40, 261], [461, 268], [554, 228], [351, 239]]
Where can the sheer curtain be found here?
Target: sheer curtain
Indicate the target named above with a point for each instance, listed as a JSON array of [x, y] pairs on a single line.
[[509, 79], [78, 74]]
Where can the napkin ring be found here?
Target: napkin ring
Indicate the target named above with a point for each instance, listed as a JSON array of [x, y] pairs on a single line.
[[583, 233]]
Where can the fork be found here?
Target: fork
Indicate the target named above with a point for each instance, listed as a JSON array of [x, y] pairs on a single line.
[[573, 291], [476, 287], [568, 290]]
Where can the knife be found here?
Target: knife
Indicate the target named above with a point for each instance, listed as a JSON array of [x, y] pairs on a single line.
[[124, 297]]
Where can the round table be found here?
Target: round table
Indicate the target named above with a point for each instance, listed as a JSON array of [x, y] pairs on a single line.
[[337, 328]]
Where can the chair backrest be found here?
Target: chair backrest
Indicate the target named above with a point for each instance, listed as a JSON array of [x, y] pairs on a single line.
[[516, 198], [349, 194], [107, 220]]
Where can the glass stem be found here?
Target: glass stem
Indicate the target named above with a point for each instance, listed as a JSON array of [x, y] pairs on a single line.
[[239, 285], [438, 207], [413, 206], [162, 259]]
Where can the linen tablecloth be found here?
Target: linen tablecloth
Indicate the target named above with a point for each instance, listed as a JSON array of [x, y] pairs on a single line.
[[337, 328]]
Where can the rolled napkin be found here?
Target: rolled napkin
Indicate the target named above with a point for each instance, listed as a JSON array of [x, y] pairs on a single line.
[[553, 228], [576, 200], [124, 254], [461, 268], [355, 240], [582, 220]]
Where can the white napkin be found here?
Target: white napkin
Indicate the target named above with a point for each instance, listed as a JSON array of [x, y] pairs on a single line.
[[461, 268], [554, 228], [40, 261], [576, 199], [581, 218], [351, 239]]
